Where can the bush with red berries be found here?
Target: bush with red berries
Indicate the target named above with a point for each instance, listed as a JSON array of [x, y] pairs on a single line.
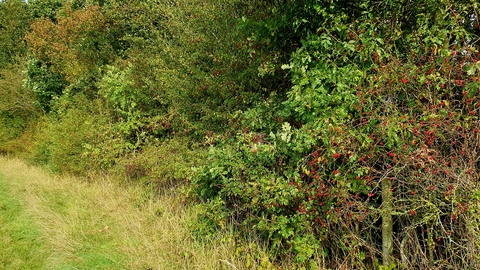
[[381, 121]]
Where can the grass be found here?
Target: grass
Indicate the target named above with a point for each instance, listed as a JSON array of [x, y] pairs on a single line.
[[20, 243], [52, 222]]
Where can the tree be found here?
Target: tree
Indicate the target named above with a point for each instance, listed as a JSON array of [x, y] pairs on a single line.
[[14, 21], [45, 9], [75, 44]]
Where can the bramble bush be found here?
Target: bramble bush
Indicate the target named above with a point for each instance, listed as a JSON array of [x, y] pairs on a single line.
[[372, 157]]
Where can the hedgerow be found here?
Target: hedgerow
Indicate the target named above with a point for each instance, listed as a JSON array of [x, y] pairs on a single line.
[[372, 157], [334, 133]]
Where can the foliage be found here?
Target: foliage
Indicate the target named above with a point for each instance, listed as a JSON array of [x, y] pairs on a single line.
[[45, 9], [15, 97], [70, 133], [17, 108], [47, 85], [74, 45], [322, 119], [14, 22], [162, 166], [201, 72], [365, 107]]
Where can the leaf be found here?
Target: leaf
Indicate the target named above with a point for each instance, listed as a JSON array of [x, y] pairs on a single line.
[[471, 69]]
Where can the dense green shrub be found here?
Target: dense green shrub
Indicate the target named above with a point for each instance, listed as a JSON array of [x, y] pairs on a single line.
[[46, 85], [70, 132], [14, 22], [374, 147], [17, 109], [162, 165]]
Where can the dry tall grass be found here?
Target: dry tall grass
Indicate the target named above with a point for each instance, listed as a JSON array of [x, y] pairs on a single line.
[[101, 224]]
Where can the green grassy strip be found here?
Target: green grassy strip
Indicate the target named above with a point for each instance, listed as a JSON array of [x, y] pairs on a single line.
[[86, 243], [20, 243], [62, 235]]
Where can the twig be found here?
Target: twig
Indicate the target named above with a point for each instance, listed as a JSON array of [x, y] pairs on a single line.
[[229, 263]]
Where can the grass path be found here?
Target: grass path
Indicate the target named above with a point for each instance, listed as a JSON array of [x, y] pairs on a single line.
[[20, 243], [50, 222]]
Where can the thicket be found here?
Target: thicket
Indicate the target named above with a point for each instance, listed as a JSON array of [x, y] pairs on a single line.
[[337, 133]]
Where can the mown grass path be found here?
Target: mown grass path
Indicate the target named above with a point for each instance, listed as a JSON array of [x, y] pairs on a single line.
[[54, 223], [20, 243], [51, 222]]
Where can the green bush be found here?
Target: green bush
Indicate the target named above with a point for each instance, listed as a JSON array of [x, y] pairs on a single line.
[[18, 112], [70, 132], [162, 165], [373, 129], [47, 85], [15, 20]]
